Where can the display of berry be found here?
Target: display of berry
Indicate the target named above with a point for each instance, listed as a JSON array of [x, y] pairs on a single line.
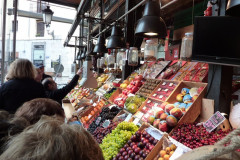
[[101, 132], [106, 114], [114, 141], [194, 136], [138, 147]]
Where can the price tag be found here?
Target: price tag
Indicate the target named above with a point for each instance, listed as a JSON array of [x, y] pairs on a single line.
[[89, 116], [155, 105], [165, 90], [128, 117], [154, 133], [94, 104], [154, 95], [149, 101], [98, 120], [214, 121], [164, 83], [171, 84], [161, 96], [136, 120], [159, 89], [106, 123]]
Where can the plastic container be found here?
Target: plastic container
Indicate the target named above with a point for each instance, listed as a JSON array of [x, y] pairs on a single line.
[[133, 56], [150, 50], [121, 55], [186, 47]]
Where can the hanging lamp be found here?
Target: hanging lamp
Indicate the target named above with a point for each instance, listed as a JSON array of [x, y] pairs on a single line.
[[47, 15], [116, 41], [233, 8], [100, 47], [151, 24]]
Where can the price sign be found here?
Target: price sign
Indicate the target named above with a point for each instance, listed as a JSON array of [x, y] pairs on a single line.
[[98, 120], [214, 121]]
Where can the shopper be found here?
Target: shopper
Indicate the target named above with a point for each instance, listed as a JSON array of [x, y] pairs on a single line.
[[34, 109], [20, 86], [41, 68], [39, 75], [51, 139], [58, 94]]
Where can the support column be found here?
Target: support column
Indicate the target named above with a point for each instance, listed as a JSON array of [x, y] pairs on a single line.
[[3, 40]]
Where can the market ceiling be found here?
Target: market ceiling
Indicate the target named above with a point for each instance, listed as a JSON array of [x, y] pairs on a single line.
[[69, 3]]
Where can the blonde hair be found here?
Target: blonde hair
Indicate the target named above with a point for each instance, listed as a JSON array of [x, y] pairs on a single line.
[[21, 68], [51, 139]]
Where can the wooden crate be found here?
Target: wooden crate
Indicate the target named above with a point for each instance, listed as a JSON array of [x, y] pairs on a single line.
[[195, 109], [169, 81]]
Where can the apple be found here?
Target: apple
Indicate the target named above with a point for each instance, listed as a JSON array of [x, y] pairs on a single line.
[[156, 123], [163, 105], [138, 83], [179, 97], [158, 114], [135, 89], [151, 119], [138, 77]]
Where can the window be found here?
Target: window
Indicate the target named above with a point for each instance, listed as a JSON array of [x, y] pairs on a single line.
[[40, 29]]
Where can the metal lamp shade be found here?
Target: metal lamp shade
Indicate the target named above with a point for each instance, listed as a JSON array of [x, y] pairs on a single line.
[[100, 47], [151, 24], [233, 8], [116, 40], [47, 15]]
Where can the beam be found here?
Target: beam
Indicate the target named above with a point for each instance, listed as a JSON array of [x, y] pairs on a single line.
[[39, 16]]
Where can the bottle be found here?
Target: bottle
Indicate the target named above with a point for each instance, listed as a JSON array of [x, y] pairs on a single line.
[[121, 55], [133, 56], [150, 50], [110, 61], [186, 47]]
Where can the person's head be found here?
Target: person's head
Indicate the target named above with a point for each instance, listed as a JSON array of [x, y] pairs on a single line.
[[21, 69], [52, 139], [39, 75], [34, 109], [49, 84]]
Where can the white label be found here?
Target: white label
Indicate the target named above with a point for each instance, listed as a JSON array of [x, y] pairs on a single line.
[[106, 123], [171, 84], [161, 96], [154, 133], [136, 120], [214, 121], [144, 107], [164, 83], [98, 120], [128, 117], [89, 116], [149, 101], [154, 95], [166, 90], [94, 104], [159, 89]]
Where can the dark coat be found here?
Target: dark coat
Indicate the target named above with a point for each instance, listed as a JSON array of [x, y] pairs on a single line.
[[15, 92], [59, 94], [45, 76]]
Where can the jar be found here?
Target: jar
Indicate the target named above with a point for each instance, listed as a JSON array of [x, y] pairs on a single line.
[[133, 56], [121, 55], [110, 61], [150, 51], [102, 63], [186, 47]]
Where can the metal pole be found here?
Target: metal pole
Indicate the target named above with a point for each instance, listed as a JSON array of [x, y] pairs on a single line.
[[135, 7], [15, 29], [3, 40]]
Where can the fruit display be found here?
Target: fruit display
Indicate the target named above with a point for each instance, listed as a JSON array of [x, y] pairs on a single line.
[[120, 100], [133, 86], [149, 108], [194, 136], [153, 71], [133, 103], [166, 153], [164, 90], [138, 147], [114, 141], [109, 94], [92, 113], [148, 87], [106, 114], [102, 79], [104, 88], [101, 132]]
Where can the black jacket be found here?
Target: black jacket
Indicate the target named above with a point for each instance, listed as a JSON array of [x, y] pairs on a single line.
[[45, 76], [59, 94], [15, 92]]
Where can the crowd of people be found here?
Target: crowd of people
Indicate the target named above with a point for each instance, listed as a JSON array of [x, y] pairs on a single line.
[[32, 120]]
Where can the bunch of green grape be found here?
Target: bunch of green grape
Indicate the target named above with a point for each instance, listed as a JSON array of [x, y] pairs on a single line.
[[113, 142]]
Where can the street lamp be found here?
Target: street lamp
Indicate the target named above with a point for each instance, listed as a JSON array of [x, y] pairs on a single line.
[[47, 15]]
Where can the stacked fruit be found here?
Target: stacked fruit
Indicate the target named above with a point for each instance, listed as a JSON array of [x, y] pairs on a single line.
[[120, 100], [134, 86], [194, 136], [114, 141], [110, 93], [148, 87], [106, 114], [138, 147], [166, 153], [101, 132], [133, 103]]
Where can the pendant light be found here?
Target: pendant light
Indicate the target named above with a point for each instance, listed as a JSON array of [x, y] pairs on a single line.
[[100, 47], [116, 41], [233, 8], [151, 25], [47, 15]]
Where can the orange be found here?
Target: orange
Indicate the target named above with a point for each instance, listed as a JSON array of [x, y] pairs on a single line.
[[168, 150], [170, 154], [173, 147], [166, 157], [162, 153]]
